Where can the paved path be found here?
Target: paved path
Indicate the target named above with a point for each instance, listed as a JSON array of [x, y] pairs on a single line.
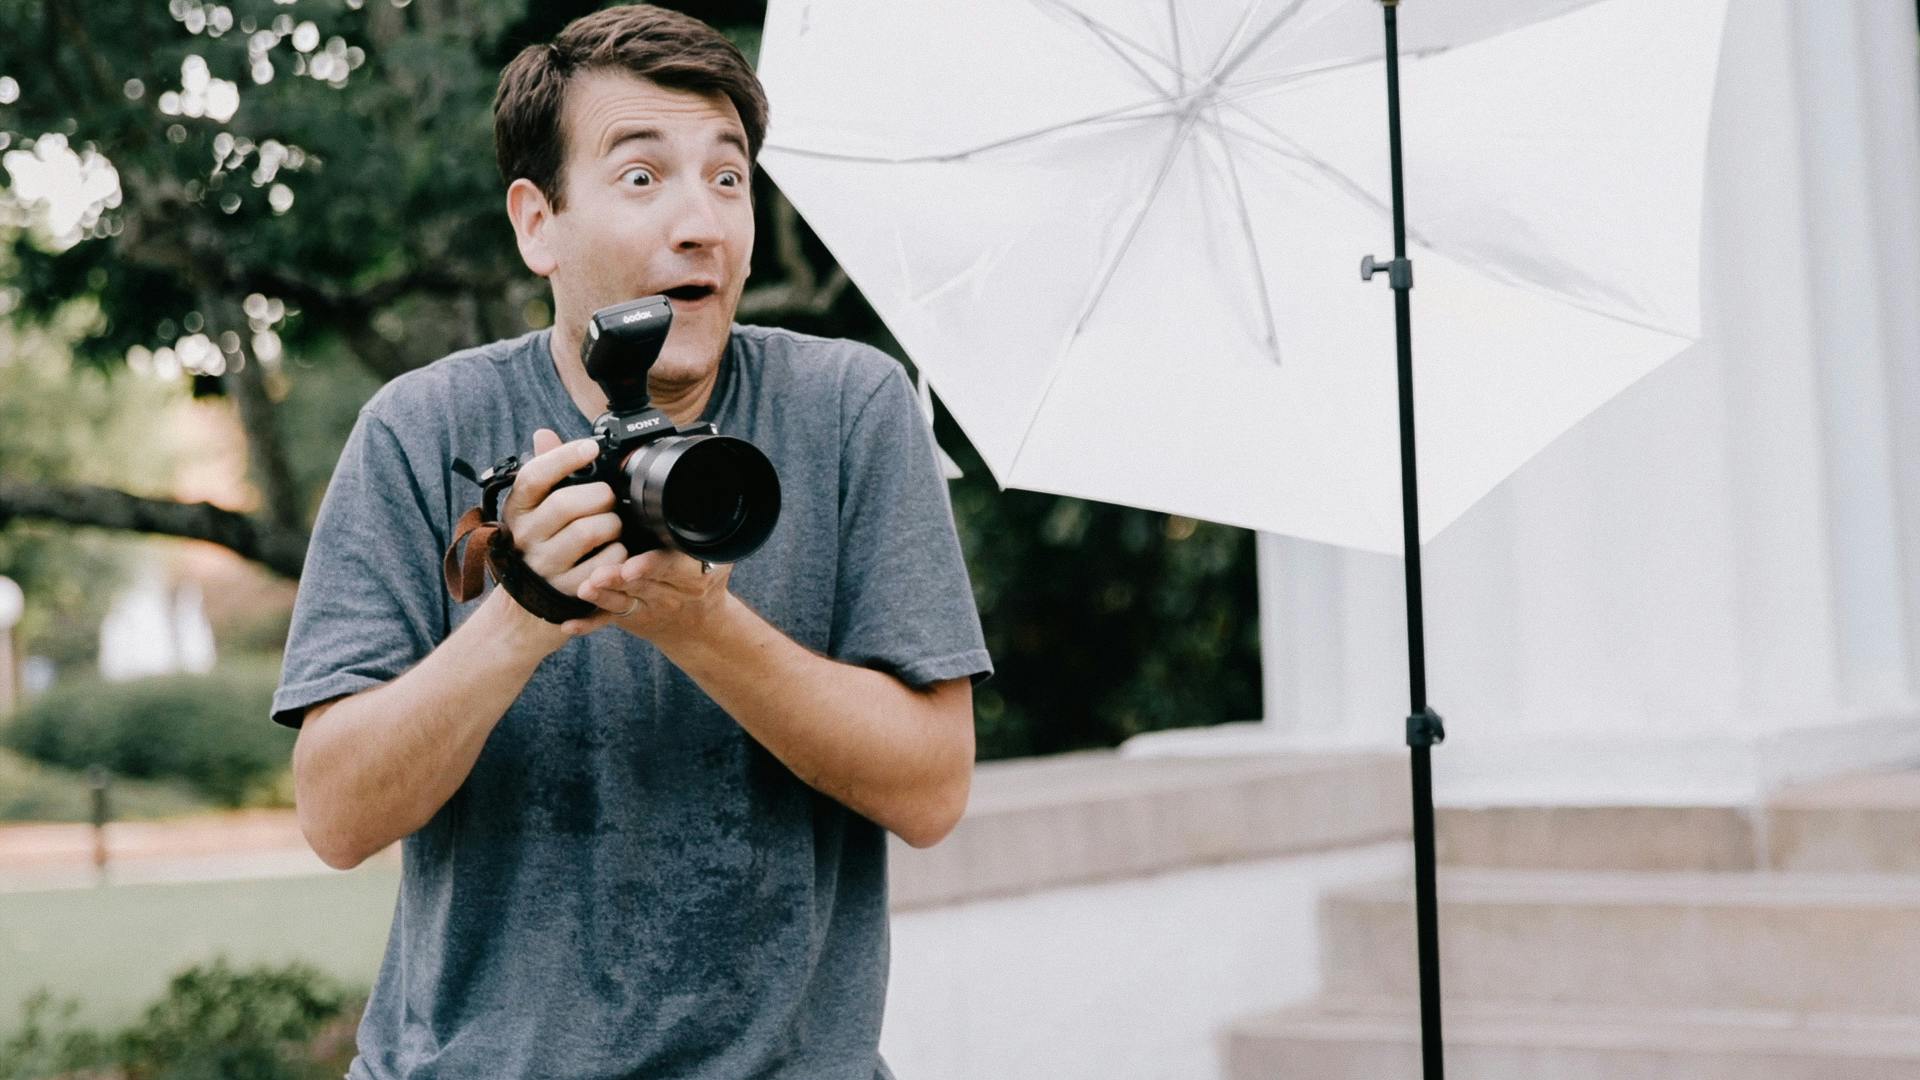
[[211, 847]]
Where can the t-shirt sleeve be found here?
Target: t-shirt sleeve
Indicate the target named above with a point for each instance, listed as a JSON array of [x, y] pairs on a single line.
[[904, 604], [369, 605]]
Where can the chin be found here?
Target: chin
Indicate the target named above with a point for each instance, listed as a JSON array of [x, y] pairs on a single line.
[[689, 361]]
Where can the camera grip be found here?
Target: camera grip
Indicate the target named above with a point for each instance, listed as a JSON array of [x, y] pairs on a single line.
[[488, 549]]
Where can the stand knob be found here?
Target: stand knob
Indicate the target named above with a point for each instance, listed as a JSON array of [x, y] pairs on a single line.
[[1399, 271]]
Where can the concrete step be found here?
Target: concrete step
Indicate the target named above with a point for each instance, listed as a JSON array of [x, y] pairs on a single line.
[[1864, 824], [1334, 1040], [1599, 838], [1073, 819], [1868, 824], [1798, 942]]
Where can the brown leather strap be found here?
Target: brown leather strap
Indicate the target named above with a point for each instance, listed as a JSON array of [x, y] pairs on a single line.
[[465, 570], [529, 589], [489, 550]]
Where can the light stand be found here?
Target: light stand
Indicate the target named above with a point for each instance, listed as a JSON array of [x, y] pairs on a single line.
[[1424, 727]]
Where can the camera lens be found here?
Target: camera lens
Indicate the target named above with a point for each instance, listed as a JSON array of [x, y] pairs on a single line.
[[705, 496], [710, 496]]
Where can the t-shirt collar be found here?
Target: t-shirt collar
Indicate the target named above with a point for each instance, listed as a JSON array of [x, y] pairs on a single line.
[[576, 425]]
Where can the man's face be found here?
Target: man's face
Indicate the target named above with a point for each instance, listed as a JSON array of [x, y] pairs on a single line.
[[655, 200]]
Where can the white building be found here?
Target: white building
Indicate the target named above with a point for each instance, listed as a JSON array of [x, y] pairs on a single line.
[[1713, 583]]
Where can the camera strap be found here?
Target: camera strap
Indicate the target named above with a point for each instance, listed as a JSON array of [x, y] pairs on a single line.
[[483, 545]]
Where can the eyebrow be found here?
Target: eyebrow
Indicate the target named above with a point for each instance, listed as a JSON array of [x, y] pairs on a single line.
[[727, 138]]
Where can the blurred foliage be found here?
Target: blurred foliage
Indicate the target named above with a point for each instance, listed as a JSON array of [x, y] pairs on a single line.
[[213, 1023], [208, 730], [321, 405], [380, 245], [50, 1044], [1104, 622], [59, 423], [31, 791]]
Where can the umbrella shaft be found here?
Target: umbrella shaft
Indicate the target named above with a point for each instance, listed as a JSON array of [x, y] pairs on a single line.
[[1426, 915], [1402, 283], [1393, 133], [1423, 726], [1410, 508]]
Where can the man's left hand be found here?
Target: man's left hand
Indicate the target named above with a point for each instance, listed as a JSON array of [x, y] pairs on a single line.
[[658, 594]]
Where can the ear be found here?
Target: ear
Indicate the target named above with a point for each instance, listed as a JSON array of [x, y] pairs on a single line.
[[527, 208]]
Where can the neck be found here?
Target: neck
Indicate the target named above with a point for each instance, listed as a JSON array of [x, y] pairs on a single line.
[[683, 401]]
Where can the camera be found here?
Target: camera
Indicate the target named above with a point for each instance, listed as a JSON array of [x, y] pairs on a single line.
[[692, 489]]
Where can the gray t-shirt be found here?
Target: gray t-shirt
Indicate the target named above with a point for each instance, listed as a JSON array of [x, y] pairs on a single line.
[[627, 884]]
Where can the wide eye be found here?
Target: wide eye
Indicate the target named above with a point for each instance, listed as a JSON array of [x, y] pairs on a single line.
[[733, 177], [638, 176]]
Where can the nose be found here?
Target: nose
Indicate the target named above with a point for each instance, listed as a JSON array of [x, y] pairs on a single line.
[[697, 221]]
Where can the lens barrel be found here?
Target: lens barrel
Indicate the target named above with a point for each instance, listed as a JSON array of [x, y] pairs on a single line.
[[711, 496]]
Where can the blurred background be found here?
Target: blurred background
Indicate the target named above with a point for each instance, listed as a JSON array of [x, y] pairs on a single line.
[[1663, 645], [222, 227]]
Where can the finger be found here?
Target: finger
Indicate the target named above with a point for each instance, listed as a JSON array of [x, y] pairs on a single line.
[[539, 476], [647, 564], [598, 563], [537, 524], [608, 599], [603, 577], [566, 548], [544, 440]]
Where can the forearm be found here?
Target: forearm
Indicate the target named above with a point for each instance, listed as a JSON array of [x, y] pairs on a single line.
[[376, 766], [861, 737]]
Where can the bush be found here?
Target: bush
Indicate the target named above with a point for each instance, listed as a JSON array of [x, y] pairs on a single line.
[[211, 731], [216, 1023], [48, 1044], [213, 1023], [30, 791]]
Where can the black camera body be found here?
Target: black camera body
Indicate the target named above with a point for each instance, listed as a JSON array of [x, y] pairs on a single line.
[[692, 489]]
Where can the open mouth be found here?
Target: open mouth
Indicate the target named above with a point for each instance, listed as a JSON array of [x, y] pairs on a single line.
[[689, 293]]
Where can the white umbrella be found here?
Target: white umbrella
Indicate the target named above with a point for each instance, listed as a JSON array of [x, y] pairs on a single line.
[[1120, 237], [1116, 236]]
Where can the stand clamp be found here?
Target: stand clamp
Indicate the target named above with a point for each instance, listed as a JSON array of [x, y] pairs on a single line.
[[1424, 729], [1399, 271]]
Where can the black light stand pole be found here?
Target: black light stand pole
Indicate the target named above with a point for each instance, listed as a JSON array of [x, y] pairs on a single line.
[[1424, 727]]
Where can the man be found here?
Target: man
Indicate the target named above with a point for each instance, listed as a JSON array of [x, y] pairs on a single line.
[[648, 842]]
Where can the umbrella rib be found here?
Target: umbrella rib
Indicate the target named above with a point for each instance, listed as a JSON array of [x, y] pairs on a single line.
[[1113, 39], [1179, 61], [1266, 82], [1293, 152], [1246, 17], [1253, 246], [1221, 71], [1106, 277], [1110, 116], [1353, 188], [1113, 264]]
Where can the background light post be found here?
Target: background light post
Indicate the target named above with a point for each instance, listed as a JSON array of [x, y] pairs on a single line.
[[13, 603]]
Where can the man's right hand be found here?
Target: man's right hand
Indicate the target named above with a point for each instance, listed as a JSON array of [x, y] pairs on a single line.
[[555, 528]]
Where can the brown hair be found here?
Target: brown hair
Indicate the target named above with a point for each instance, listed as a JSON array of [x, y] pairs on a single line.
[[678, 52]]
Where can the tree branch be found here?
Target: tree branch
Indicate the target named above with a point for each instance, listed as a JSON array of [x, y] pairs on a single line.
[[787, 298], [802, 292], [247, 386], [278, 549]]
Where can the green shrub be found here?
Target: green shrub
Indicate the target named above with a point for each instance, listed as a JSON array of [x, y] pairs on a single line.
[[211, 731], [30, 791], [216, 1023], [213, 1023], [48, 1044]]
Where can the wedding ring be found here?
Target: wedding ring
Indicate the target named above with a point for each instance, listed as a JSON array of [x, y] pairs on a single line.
[[630, 608]]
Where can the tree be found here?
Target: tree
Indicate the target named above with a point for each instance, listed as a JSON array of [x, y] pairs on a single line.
[[276, 179], [287, 192]]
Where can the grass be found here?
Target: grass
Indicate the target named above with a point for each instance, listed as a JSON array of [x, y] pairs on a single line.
[[114, 947], [31, 791]]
